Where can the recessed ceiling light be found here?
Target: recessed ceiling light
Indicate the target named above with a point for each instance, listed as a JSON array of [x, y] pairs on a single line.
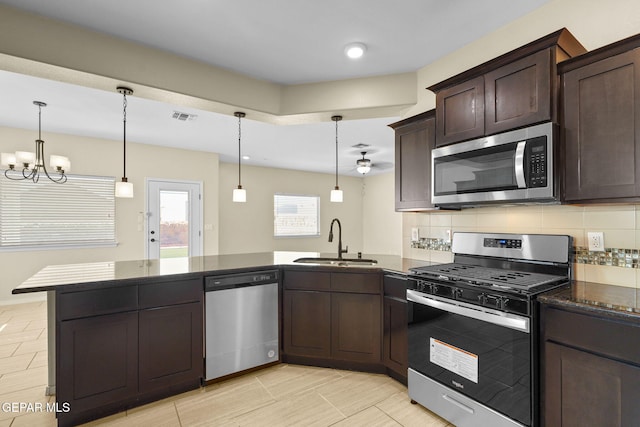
[[355, 50], [245, 157]]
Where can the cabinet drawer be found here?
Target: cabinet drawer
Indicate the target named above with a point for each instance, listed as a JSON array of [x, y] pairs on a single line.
[[170, 293], [396, 286], [309, 281], [356, 282], [604, 336], [72, 305]]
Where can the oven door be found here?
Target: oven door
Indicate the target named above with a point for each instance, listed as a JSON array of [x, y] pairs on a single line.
[[481, 353]]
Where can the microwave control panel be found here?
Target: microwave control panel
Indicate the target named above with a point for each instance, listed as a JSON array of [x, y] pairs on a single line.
[[536, 155]]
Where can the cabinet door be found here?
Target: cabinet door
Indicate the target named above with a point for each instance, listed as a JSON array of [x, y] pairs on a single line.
[[97, 363], [306, 324], [356, 327], [583, 389], [518, 94], [602, 129], [460, 112], [395, 345], [170, 346], [413, 146]]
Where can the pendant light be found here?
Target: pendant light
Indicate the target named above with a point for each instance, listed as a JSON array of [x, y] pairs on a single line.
[[124, 188], [239, 194], [33, 163], [336, 193]]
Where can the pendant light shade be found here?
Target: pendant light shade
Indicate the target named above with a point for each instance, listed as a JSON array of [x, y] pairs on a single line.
[[124, 188], [239, 193], [336, 193]]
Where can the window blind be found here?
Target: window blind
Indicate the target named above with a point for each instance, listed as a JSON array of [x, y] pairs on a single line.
[[77, 213], [296, 215]]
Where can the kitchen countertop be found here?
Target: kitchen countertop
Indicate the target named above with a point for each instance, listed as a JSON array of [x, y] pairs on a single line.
[[597, 298], [110, 273]]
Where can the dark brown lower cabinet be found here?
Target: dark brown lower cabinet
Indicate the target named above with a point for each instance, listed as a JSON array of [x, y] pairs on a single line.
[[307, 330], [355, 327], [170, 346], [332, 319], [395, 345], [584, 389], [124, 346], [590, 370], [97, 364]]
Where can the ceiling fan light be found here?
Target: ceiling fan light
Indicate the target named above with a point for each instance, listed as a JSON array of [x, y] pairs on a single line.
[[363, 169]]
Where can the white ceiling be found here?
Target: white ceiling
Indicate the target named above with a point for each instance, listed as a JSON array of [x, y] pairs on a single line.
[[283, 41]]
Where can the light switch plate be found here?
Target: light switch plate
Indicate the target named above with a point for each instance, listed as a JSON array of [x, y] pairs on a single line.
[[415, 234], [596, 241]]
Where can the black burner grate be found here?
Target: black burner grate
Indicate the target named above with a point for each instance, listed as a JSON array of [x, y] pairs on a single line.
[[490, 276]]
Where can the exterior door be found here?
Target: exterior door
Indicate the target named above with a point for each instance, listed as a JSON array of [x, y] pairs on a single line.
[[174, 226]]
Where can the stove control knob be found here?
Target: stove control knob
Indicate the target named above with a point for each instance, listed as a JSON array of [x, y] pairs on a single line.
[[503, 303]]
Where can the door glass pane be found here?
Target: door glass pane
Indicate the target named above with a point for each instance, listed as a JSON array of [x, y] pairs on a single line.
[[174, 224], [489, 169]]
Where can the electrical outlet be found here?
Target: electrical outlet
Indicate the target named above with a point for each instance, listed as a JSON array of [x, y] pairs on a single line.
[[596, 241], [415, 234], [447, 236]]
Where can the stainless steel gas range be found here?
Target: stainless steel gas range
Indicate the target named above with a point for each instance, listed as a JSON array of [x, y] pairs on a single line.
[[473, 327]]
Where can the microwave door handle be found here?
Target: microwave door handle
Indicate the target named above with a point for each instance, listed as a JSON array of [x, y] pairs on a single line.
[[519, 164]]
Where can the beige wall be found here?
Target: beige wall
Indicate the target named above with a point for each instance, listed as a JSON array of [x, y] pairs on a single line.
[[381, 224], [248, 227], [90, 156]]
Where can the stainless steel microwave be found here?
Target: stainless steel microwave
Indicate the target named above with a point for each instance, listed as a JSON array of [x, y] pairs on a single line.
[[514, 166]]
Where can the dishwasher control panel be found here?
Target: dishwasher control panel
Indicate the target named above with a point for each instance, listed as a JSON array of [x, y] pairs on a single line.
[[240, 280]]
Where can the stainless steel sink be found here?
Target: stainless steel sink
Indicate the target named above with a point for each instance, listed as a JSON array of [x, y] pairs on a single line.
[[344, 262]]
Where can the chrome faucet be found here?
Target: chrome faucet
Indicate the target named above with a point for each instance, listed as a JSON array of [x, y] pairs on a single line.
[[340, 250]]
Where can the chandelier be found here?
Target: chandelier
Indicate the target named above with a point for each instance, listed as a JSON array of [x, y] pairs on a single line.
[[33, 164]]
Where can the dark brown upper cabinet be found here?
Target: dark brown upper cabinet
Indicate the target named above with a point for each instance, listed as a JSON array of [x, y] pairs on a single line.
[[516, 89], [601, 123], [415, 138]]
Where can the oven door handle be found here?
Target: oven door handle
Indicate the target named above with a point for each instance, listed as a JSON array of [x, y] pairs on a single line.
[[499, 318], [519, 165]]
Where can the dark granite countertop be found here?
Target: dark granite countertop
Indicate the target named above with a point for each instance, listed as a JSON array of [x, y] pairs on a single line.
[[112, 273], [597, 298]]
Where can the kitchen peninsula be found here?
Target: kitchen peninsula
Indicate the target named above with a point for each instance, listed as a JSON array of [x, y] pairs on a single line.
[[127, 333]]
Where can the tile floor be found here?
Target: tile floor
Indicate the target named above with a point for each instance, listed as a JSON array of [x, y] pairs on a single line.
[[282, 395]]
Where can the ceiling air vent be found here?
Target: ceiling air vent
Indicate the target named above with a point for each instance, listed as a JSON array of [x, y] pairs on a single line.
[[360, 146], [183, 116]]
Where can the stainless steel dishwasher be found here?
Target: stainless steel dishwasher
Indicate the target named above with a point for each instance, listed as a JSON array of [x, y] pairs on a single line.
[[241, 321]]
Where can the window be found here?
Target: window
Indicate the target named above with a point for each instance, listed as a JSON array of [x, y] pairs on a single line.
[[296, 216], [80, 212]]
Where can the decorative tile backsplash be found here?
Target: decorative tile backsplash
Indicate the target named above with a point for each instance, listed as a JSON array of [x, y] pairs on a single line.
[[616, 257], [432, 244]]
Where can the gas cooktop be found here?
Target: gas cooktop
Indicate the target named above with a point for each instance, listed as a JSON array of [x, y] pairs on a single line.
[[497, 277]]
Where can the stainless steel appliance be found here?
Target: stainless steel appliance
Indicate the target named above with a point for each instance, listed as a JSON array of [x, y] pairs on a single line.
[[507, 167], [473, 327], [241, 320]]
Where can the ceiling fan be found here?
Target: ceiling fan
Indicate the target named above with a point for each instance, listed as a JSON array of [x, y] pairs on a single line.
[[365, 165]]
